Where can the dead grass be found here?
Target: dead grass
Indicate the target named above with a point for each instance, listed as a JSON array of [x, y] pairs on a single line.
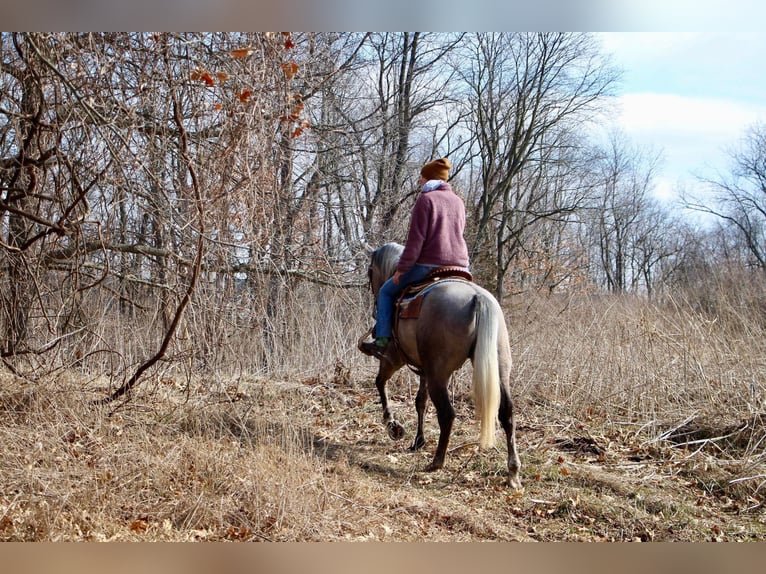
[[636, 422]]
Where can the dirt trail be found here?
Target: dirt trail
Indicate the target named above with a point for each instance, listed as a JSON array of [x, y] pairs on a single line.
[[593, 481]]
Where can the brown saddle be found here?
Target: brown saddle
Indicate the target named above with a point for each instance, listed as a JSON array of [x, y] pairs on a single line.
[[409, 302]]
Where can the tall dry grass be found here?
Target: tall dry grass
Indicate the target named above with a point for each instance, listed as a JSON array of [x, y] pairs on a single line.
[[624, 353], [211, 464], [656, 365]]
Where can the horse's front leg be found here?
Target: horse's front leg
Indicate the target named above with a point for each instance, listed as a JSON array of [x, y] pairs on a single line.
[[421, 402], [394, 428]]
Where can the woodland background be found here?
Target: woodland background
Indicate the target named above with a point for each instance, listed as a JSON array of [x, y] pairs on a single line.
[[181, 209]]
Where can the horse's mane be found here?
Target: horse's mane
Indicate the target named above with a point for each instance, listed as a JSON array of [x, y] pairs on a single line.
[[386, 257]]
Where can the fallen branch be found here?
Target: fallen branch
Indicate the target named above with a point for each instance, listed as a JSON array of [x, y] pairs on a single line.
[[744, 478], [196, 268]]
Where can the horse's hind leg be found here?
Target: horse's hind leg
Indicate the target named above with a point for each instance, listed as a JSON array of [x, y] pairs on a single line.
[[421, 402], [437, 389], [505, 414]]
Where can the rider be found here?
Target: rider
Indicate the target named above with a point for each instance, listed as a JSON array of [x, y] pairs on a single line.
[[435, 239]]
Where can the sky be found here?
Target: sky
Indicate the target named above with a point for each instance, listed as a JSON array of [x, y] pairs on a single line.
[[690, 96]]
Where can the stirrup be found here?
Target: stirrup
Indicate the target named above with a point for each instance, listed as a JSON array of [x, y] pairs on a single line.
[[373, 350]]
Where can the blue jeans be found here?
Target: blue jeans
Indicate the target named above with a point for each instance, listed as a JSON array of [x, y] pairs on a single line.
[[388, 294]]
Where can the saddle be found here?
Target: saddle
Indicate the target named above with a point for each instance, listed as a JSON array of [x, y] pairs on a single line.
[[409, 302]]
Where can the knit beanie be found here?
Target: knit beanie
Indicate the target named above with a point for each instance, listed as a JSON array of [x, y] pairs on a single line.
[[437, 169]]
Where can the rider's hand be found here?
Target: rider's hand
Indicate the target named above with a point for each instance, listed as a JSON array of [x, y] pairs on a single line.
[[396, 277]]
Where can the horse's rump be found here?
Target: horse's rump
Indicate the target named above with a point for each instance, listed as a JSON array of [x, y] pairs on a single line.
[[438, 323]]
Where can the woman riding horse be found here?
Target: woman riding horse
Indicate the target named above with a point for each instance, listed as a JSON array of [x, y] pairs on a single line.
[[435, 239], [456, 321]]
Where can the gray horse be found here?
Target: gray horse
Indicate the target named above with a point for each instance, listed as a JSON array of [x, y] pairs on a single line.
[[457, 320]]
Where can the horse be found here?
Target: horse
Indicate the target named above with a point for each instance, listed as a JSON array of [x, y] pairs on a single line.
[[457, 320]]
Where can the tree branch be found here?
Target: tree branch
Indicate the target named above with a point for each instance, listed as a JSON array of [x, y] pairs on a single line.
[[196, 268]]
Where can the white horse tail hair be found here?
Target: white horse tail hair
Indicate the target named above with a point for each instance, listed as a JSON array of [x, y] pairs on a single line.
[[486, 371]]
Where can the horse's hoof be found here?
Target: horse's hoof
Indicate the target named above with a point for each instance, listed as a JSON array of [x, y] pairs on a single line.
[[395, 430], [418, 444], [434, 466], [514, 482]]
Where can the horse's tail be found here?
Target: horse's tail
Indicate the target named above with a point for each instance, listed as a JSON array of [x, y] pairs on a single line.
[[486, 371]]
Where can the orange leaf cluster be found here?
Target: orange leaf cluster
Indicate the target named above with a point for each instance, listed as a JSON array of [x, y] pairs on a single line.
[[139, 526], [204, 76], [296, 111], [6, 523], [304, 124], [290, 69], [296, 103], [241, 53], [288, 41], [242, 533]]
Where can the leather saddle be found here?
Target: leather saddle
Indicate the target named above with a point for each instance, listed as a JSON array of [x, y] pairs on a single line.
[[409, 302]]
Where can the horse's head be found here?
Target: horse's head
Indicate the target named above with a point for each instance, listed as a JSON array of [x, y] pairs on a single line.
[[383, 264]]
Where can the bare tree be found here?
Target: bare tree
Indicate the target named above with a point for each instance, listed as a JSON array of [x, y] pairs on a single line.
[[739, 198], [527, 94], [42, 188], [624, 215], [119, 154], [392, 132]]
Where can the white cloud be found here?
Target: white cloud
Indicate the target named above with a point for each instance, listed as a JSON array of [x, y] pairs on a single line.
[[712, 65], [637, 46], [671, 113], [693, 134], [689, 96], [711, 15]]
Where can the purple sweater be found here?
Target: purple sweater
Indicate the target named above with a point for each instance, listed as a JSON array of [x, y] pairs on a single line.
[[436, 231]]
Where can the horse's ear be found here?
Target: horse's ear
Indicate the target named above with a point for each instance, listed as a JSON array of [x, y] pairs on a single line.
[[368, 248]]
